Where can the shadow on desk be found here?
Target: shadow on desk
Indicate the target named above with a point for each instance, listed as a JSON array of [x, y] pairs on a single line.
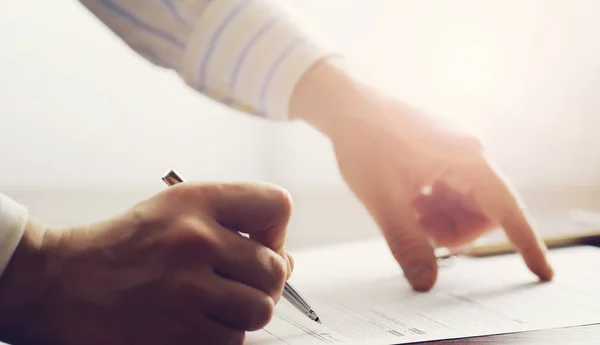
[[582, 335]]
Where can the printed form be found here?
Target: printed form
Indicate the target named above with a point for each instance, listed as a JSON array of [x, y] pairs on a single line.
[[361, 297]]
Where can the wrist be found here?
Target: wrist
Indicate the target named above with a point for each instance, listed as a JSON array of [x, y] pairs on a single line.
[[23, 286], [337, 103], [328, 97]]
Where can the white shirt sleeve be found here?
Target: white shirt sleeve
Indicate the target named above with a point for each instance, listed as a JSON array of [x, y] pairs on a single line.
[[13, 218], [247, 54]]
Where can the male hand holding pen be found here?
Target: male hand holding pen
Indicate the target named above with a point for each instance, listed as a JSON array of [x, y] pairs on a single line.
[[173, 256]]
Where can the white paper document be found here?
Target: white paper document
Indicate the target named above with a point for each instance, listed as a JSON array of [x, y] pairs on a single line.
[[362, 298]]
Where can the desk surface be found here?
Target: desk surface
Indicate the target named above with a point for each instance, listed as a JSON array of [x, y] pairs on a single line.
[[584, 335]]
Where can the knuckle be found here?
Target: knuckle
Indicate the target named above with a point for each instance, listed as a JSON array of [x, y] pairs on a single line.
[[261, 313], [188, 225], [188, 192], [279, 200], [473, 141], [196, 233], [170, 204], [477, 143], [143, 218], [467, 140]]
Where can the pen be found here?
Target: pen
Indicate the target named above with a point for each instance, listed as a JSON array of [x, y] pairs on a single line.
[[289, 293], [484, 249]]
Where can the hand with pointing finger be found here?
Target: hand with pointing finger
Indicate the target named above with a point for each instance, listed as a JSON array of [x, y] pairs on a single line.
[[172, 264], [388, 152], [398, 153]]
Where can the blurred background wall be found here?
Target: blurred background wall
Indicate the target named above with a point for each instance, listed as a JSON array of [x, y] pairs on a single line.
[[87, 127]]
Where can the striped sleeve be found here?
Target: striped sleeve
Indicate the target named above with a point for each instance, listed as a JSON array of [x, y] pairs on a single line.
[[13, 218], [248, 54]]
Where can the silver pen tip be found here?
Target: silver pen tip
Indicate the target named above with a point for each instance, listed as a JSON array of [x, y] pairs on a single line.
[[313, 316]]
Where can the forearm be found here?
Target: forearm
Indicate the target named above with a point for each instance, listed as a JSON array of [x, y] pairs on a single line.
[[332, 99], [323, 95], [336, 101]]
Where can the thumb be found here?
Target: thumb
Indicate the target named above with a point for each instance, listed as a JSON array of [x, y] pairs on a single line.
[[410, 247]]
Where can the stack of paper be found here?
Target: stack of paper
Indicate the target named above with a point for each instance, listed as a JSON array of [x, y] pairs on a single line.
[[361, 296]]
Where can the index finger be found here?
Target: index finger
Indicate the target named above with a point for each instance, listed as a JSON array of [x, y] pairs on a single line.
[[261, 210], [519, 229], [503, 204]]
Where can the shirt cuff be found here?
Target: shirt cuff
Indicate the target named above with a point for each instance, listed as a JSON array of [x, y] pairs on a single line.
[[13, 218], [249, 55]]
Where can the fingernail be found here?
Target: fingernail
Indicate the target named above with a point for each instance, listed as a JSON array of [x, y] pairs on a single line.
[[421, 277]]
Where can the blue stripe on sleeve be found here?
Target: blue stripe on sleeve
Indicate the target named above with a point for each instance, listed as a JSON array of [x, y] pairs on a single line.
[[269, 76], [213, 41], [176, 12], [244, 52], [140, 24]]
